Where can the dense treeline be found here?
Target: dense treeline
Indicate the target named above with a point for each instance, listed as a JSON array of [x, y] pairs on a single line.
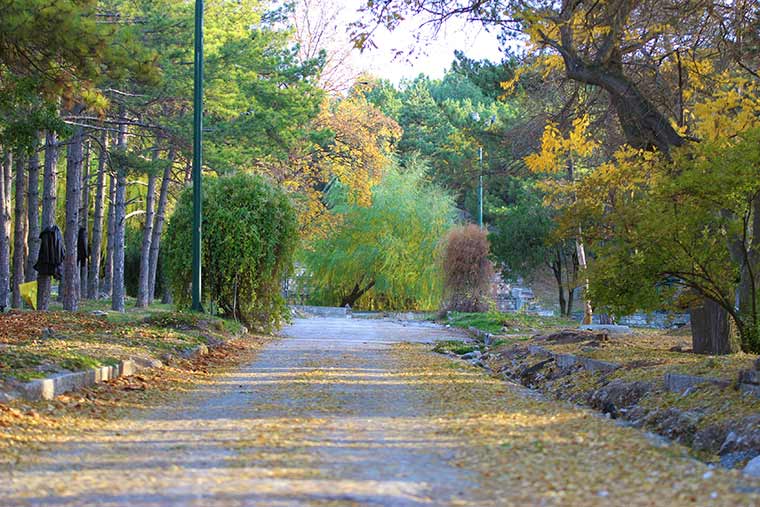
[[95, 123]]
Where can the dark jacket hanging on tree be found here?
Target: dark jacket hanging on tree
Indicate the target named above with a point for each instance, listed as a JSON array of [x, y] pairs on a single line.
[[52, 252], [83, 251]]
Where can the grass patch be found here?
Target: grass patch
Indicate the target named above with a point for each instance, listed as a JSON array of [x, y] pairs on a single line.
[[508, 323], [455, 347]]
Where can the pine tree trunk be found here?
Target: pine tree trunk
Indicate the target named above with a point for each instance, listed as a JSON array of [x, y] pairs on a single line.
[[155, 243], [93, 289], [120, 212], [143, 284], [84, 216], [5, 231], [19, 232], [108, 267], [49, 184], [556, 268], [33, 217], [570, 297], [712, 329], [71, 234]]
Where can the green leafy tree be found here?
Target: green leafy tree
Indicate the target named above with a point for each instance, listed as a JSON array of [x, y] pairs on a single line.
[[525, 240], [681, 230], [249, 237], [383, 256], [447, 121]]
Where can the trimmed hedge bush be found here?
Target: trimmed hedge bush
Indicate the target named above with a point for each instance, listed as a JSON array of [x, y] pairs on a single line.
[[250, 233]]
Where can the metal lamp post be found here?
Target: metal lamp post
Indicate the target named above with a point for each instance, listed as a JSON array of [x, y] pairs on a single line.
[[480, 188], [197, 156], [476, 118]]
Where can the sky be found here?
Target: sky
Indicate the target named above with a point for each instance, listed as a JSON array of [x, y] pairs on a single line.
[[431, 59]]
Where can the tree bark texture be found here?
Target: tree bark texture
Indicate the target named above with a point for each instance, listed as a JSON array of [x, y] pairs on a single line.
[[71, 234], [49, 184], [120, 212], [5, 230], [155, 243], [357, 292], [713, 331], [108, 265], [33, 215], [93, 288], [19, 232], [143, 283], [84, 219]]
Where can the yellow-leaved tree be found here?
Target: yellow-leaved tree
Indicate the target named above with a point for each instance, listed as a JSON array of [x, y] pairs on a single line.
[[354, 141], [562, 158]]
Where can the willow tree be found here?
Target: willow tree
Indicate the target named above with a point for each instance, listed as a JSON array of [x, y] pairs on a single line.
[[383, 255]]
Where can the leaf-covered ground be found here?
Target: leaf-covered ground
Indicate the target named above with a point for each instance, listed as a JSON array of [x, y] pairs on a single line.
[[38, 344], [535, 452], [335, 414]]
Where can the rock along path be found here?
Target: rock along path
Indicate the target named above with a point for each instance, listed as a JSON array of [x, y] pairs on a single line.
[[336, 413]]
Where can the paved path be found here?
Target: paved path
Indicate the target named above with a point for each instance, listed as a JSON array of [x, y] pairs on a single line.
[[335, 415], [317, 419]]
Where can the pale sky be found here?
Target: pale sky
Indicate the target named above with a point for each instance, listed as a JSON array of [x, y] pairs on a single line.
[[433, 58]]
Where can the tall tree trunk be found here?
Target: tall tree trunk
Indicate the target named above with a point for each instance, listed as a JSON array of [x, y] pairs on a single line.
[[49, 184], [108, 267], [155, 243], [556, 268], [143, 283], [93, 289], [588, 312], [5, 230], [71, 234], [84, 219], [117, 289], [356, 293], [643, 125], [712, 330], [19, 232], [33, 210], [570, 298]]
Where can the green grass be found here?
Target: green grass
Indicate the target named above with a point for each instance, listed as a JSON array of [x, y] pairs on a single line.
[[455, 346], [508, 323]]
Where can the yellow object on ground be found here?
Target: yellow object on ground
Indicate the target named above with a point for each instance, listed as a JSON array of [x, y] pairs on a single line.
[[29, 293]]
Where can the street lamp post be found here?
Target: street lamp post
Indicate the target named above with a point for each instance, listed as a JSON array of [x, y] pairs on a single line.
[[480, 188], [476, 118], [197, 156]]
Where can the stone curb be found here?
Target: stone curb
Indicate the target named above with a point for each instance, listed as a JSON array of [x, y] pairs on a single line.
[[50, 387], [679, 383]]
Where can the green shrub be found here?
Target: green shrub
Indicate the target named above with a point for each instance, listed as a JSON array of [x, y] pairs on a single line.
[[249, 236]]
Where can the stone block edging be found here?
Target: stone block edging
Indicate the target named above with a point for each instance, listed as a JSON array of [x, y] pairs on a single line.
[[50, 387]]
